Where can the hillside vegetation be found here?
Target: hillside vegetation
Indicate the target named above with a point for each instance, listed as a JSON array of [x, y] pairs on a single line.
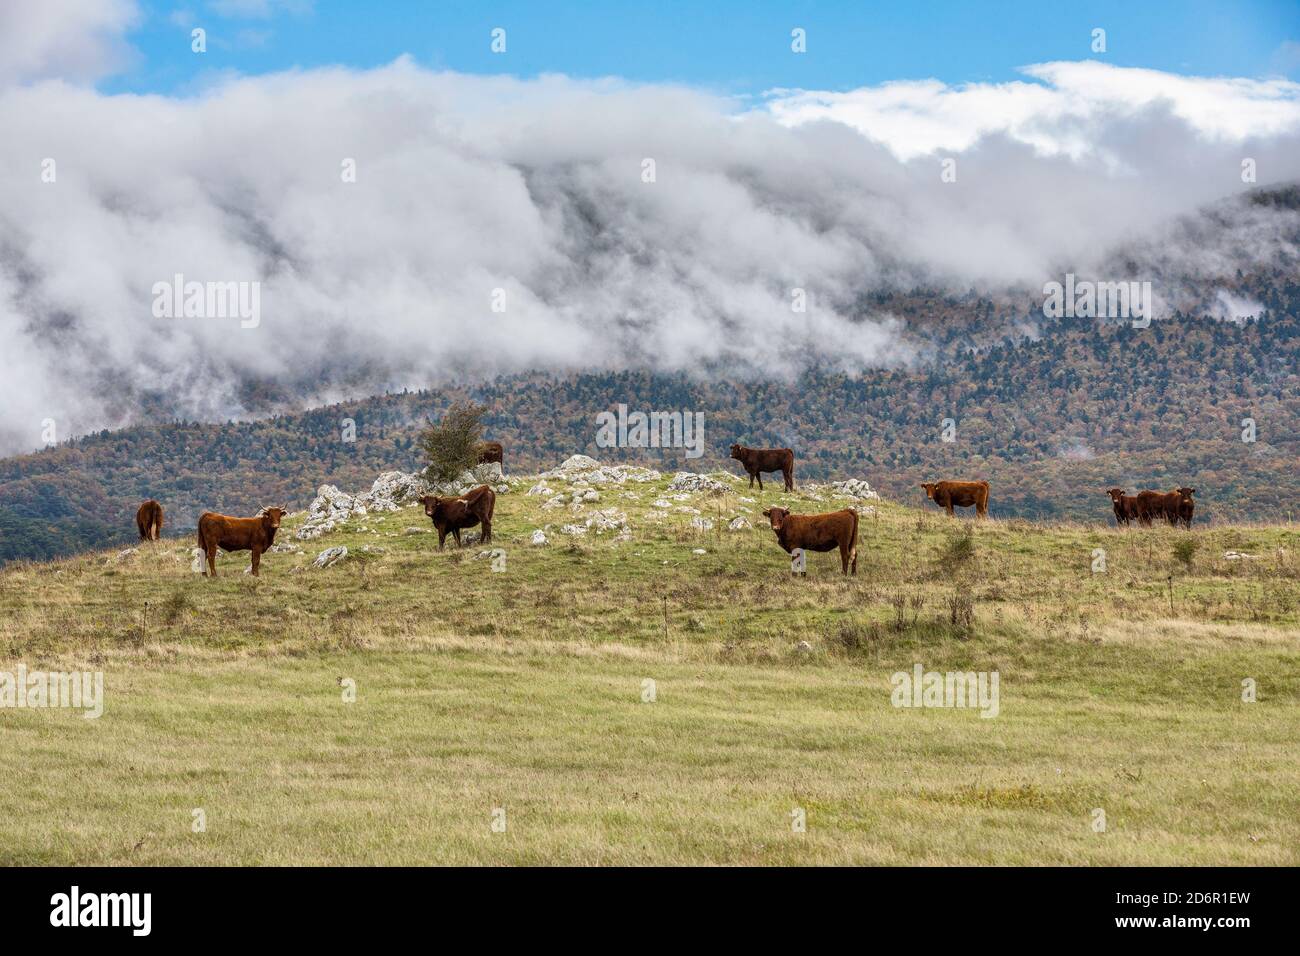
[[520, 684]]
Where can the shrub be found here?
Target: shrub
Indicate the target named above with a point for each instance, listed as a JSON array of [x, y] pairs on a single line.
[[451, 446]]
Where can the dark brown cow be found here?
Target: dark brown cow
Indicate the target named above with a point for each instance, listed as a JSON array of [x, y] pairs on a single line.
[[1186, 505], [467, 510], [824, 532], [1126, 506], [759, 460], [1159, 504], [255, 534], [961, 494], [489, 451], [149, 520]]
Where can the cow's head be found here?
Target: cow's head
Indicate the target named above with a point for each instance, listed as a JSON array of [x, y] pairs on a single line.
[[271, 517], [1186, 492], [431, 504], [736, 449], [929, 487], [1116, 494], [777, 516]]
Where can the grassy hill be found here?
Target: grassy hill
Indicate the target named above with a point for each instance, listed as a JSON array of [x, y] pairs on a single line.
[[525, 690], [1051, 422]]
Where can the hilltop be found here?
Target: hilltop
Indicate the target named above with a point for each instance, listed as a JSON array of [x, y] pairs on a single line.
[[651, 686], [1050, 420]]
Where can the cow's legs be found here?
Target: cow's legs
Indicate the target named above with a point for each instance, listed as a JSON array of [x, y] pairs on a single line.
[[257, 560], [751, 479], [760, 481], [212, 562], [789, 479], [456, 534], [442, 539], [487, 532], [951, 513]]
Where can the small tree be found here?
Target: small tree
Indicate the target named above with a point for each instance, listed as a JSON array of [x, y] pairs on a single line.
[[451, 446]]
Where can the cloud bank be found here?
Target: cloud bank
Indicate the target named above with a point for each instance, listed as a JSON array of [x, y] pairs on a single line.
[[475, 191]]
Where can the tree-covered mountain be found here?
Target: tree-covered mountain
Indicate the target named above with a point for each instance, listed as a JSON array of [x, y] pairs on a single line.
[[1051, 414]]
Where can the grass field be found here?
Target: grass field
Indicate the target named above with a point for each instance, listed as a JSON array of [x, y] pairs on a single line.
[[523, 695]]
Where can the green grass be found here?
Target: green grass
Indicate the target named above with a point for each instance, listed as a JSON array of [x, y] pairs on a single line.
[[523, 690]]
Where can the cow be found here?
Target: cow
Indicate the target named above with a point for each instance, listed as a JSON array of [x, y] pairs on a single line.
[[1126, 506], [149, 520], [255, 534], [823, 532], [489, 451], [467, 510], [759, 460], [961, 494], [1160, 504], [1186, 506]]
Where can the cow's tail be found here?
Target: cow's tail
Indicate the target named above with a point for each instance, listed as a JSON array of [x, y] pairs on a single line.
[[140, 525], [203, 545]]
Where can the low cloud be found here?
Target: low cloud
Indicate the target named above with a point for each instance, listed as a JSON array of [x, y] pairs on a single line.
[[473, 191]]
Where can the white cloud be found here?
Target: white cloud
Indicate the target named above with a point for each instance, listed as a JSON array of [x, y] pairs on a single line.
[[469, 184], [1059, 115], [77, 40]]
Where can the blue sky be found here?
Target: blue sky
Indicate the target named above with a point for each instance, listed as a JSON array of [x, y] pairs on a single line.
[[732, 47]]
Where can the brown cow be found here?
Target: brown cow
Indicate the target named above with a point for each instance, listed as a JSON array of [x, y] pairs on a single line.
[[1126, 506], [489, 451], [1186, 505], [1159, 504], [961, 494], [467, 510], [255, 534], [758, 460], [824, 532], [149, 520]]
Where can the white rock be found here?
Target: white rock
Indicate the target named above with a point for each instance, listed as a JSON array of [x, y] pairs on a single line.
[[661, 503], [804, 647], [592, 495], [739, 524], [699, 551], [127, 553], [1238, 556], [539, 538], [330, 556], [574, 530], [702, 524], [540, 489], [198, 564], [581, 468], [611, 519], [414, 530], [855, 488], [687, 481]]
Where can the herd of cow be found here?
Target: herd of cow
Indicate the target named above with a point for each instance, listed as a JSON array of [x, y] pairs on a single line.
[[811, 532]]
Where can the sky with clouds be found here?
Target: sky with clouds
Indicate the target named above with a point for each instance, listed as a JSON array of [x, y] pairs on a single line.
[[525, 172]]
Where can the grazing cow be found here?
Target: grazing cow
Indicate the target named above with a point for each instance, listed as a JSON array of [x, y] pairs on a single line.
[[1126, 506], [149, 520], [467, 510], [824, 532], [255, 534], [759, 460], [489, 451], [961, 494]]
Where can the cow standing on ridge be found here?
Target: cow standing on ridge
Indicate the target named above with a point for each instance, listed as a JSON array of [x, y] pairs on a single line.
[[823, 532], [758, 460], [149, 520], [1126, 506], [961, 494], [456, 514], [255, 534]]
